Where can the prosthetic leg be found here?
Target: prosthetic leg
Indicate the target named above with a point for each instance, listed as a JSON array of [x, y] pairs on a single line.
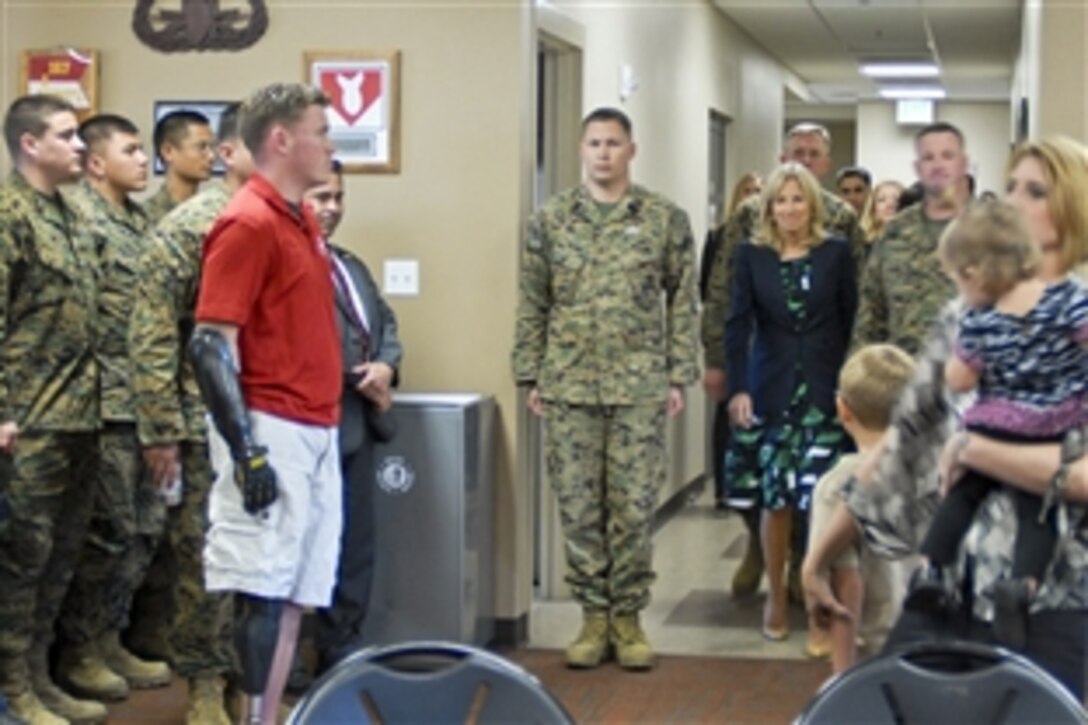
[[256, 635]]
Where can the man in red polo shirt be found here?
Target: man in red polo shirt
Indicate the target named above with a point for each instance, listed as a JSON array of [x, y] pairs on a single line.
[[267, 357]]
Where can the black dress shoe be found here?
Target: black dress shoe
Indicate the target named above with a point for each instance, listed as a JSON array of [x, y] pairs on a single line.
[[929, 591]]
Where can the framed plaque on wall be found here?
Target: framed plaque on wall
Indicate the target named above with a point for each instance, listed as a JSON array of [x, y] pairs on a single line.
[[364, 112], [71, 73]]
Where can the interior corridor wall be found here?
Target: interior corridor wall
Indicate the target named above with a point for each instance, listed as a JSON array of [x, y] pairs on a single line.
[[688, 59], [887, 149], [456, 206], [1063, 58]]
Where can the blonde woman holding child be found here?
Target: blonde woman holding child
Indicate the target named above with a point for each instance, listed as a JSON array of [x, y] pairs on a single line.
[[1023, 345]]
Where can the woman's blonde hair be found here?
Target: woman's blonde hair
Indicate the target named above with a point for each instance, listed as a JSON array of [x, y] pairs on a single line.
[[1065, 166], [767, 232], [990, 239], [872, 226], [738, 196]]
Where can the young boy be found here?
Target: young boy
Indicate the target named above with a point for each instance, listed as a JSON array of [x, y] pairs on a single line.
[[870, 384]]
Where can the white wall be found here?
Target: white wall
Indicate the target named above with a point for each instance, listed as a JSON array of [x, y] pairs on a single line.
[[1026, 71], [887, 149], [689, 58], [986, 128]]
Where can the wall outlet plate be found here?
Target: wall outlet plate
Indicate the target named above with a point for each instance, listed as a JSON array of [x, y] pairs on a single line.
[[401, 277]]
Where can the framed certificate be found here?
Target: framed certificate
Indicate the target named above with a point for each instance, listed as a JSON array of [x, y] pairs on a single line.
[[71, 73]]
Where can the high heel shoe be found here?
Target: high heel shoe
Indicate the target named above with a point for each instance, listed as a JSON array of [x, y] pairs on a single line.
[[771, 632], [775, 634]]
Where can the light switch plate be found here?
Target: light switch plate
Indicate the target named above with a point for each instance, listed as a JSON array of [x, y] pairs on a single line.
[[401, 277]]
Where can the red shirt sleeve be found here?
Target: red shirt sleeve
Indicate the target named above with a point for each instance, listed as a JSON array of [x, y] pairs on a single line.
[[237, 259]]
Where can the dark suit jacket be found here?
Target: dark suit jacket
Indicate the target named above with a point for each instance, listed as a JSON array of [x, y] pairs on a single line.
[[384, 347], [763, 344]]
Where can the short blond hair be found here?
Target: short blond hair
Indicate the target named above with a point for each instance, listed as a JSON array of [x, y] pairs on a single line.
[[275, 104], [871, 382], [991, 238], [767, 233]]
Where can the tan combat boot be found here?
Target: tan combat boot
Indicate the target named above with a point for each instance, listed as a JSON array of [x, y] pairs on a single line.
[[139, 674], [82, 669], [56, 699], [590, 648], [30, 710], [206, 702], [750, 572], [632, 648]]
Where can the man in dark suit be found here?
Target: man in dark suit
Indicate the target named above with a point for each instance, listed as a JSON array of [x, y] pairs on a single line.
[[372, 356]]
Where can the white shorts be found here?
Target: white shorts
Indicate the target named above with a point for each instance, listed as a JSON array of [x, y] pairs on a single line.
[[290, 550]]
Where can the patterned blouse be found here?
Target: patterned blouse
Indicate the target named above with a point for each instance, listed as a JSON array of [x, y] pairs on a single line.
[[1033, 368]]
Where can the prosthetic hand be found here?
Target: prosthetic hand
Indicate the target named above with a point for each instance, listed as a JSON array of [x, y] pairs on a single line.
[[222, 393], [256, 478], [256, 632]]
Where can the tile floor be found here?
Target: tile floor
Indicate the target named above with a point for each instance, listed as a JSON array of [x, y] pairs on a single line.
[[692, 611]]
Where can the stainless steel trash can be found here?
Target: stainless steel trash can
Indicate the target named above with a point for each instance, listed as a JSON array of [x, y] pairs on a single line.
[[433, 575]]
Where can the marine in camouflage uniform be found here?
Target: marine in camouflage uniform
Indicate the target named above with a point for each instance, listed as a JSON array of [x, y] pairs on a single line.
[[903, 287], [129, 513], [169, 411], [605, 325], [158, 205], [48, 386]]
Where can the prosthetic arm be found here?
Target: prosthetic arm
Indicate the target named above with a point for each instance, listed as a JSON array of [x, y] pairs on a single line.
[[222, 393], [257, 628]]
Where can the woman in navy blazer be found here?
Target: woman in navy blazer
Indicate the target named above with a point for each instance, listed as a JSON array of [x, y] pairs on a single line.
[[794, 298]]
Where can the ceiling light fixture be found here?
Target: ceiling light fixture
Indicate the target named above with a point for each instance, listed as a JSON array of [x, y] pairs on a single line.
[[934, 93], [900, 70]]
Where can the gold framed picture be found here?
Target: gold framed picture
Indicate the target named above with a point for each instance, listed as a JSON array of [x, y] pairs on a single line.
[[71, 73], [364, 110]]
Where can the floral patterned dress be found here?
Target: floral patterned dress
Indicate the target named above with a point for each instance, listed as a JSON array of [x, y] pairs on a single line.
[[776, 463]]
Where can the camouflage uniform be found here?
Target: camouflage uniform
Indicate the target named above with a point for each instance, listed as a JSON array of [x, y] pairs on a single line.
[[903, 287], [158, 205], [169, 410], [129, 514], [841, 221], [48, 385], [605, 325]]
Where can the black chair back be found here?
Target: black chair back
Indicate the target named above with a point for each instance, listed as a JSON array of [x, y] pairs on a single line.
[[427, 682], [947, 682]]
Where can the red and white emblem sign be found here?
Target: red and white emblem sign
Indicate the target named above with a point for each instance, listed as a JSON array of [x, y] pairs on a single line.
[[362, 88], [356, 95]]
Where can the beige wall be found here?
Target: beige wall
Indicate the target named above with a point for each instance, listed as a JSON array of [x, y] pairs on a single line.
[[1062, 106], [689, 59], [887, 149], [456, 206], [1049, 71]]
